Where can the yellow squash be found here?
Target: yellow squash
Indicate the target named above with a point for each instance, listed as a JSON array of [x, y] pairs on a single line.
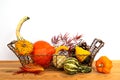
[[81, 54], [22, 46]]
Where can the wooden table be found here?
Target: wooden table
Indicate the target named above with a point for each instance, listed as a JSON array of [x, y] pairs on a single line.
[[7, 68]]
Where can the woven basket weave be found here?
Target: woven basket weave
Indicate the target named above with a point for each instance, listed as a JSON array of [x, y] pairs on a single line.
[[96, 45]]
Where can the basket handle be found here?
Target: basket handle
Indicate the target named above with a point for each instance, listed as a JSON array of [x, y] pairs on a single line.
[[96, 45]]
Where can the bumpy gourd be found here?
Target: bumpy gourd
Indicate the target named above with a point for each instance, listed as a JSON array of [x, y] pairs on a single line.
[[103, 64], [81, 54], [22, 46]]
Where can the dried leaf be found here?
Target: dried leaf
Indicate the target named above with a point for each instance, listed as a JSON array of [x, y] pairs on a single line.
[[31, 68]]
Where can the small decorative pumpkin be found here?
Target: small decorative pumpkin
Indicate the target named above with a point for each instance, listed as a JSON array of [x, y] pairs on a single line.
[[103, 64], [42, 53], [22, 46]]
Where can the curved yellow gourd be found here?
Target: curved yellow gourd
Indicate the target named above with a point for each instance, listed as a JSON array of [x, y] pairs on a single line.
[[22, 46], [61, 48], [19, 27]]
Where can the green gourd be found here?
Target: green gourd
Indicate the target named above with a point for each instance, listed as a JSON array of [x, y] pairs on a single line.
[[84, 69], [72, 66]]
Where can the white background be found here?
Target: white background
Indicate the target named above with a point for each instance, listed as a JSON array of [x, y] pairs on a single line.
[[92, 18]]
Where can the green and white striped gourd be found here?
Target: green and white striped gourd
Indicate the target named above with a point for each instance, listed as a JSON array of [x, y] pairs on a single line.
[[71, 65]]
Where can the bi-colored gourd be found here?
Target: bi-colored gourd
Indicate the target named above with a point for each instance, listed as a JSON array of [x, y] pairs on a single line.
[[59, 48], [103, 64], [71, 65], [58, 60], [81, 54], [60, 56], [22, 46]]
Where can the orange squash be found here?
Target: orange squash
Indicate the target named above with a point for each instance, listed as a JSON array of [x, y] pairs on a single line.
[[42, 53], [103, 65]]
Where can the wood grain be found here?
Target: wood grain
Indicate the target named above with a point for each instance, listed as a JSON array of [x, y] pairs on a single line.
[[8, 68]]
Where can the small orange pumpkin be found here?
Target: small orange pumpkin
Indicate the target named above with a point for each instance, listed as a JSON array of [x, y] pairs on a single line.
[[42, 53], [103, 65]]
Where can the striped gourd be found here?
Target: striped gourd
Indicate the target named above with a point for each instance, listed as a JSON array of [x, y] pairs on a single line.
[[71, 65], [60, 56], [58, 60]]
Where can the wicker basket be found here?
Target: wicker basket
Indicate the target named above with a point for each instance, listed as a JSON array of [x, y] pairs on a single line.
[[96, 45]]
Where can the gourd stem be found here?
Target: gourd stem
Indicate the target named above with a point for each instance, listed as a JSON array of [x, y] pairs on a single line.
[[19, 27], [101, 65]]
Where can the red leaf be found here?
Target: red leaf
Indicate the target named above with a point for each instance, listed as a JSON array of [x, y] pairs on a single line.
[[31, 68]]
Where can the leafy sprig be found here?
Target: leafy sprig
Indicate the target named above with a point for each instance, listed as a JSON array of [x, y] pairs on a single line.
[[65, 40]]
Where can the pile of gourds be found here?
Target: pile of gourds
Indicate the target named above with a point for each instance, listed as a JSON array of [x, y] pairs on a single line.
[[72, 55]]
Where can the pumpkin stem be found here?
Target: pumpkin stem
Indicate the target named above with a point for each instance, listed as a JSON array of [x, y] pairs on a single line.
[[19, 27], [101, 65]]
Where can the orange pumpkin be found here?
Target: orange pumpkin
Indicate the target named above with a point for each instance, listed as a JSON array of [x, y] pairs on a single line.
[[103, 64], [42, 53]]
